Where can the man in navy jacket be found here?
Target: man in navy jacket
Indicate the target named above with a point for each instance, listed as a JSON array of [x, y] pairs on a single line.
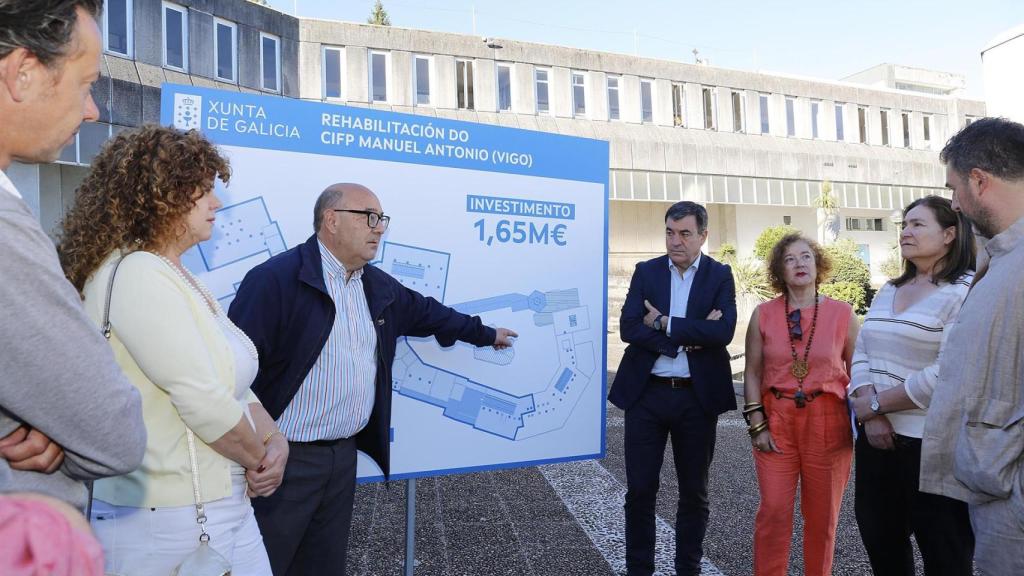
[[674, 379], [325, 324]]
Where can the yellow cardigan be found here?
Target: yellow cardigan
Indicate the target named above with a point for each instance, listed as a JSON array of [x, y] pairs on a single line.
[[172, 349]]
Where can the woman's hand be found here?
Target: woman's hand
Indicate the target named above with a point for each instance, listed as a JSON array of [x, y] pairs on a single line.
[[763, 442], [265, 479], [880, 433]]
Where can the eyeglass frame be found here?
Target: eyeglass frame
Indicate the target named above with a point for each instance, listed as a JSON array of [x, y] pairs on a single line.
[[369, 216]]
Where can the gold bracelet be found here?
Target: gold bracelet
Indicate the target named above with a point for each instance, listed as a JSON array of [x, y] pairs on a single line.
[[757, 428], [269, 435]]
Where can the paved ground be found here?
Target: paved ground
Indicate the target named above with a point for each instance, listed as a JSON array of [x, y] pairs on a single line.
[[566, 519]]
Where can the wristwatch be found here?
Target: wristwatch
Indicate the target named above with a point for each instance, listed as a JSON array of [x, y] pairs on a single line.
[[875, 406], [657, 322]]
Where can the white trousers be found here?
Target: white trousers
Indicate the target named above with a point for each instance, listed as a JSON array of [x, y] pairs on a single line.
[[153, 541]]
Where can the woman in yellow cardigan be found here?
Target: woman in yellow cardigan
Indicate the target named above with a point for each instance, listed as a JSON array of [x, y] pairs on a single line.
[[146, 200]]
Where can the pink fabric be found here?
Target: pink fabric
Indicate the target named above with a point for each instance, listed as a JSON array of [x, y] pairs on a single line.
[[38, 540]]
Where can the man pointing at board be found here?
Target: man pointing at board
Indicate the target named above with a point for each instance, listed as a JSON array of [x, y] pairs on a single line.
[[325, 324]]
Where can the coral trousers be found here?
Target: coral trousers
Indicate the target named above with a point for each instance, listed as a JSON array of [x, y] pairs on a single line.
[[817, 450]]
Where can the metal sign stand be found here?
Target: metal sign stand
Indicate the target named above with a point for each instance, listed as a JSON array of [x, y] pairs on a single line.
[[410, 526]]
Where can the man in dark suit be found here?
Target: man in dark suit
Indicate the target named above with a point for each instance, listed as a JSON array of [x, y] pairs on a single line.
[[674, 379]]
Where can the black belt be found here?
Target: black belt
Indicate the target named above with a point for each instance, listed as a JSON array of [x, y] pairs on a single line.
[[327, 443], [671, 382]]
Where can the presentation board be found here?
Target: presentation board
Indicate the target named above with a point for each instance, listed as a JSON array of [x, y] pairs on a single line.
[[503, 223]]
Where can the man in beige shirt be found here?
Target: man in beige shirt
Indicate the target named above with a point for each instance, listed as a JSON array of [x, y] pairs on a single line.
[[974, 432]]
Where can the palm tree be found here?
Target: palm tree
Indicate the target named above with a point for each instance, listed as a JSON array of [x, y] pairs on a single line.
[[828, 214]]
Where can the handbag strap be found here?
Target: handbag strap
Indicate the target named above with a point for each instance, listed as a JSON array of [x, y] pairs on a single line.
[[197, 493], [192, 460], [105, 329], [110, 291]]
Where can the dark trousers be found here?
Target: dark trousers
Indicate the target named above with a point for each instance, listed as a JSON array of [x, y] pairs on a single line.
[[305, 523], [889, 508], [662, 411]]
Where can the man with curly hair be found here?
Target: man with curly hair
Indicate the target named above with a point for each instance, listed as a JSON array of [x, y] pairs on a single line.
[[67, 413]]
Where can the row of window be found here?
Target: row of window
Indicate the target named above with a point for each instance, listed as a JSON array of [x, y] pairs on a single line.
[[379, 66], [713, 189], [117, 26]]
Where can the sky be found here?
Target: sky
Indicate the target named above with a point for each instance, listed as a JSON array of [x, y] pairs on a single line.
[[827, 39]]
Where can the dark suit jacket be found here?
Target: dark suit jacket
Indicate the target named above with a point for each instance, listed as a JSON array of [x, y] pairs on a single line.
[[713, 288], [284, 307]]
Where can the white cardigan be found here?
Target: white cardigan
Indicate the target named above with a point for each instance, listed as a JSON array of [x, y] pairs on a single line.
[[170, 346]]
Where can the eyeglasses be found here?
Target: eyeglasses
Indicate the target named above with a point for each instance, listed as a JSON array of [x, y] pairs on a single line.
[[796, 332], [372, 218]]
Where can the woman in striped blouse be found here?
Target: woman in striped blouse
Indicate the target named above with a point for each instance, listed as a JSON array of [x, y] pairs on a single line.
[[895, 371]]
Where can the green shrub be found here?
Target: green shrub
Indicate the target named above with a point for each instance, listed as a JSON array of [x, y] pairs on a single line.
[[769, 238], [849, 292], [846, 263], [726, 253]]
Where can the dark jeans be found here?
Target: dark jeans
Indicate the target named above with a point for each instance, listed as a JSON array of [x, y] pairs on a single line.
[[660, 412], [306, 522], [889, 508]]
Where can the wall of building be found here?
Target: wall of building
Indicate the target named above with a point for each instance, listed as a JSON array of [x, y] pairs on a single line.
[[1004, 83]]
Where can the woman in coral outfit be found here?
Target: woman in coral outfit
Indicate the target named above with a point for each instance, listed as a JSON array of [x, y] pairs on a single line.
[[798, 352]]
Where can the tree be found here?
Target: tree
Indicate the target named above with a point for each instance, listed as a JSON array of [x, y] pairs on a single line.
[[379, 15], [769, 237], [852, 294]]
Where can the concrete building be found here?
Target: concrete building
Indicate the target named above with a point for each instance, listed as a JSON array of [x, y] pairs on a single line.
[[753, 147]]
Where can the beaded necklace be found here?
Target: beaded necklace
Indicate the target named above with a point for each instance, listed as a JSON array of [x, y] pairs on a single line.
[[211, 304], [800, 368]]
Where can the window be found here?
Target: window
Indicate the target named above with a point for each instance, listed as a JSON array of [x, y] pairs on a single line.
[[421, 79], [865, 224], [270, 62], [333, 71], [968, 120], [613, 97], [738, 112], [464, 83], [927, 120], [225, 59], [839, 122], [378, 77], [862, 124], [883, 117], [646, 108], [787, 220], [710, 108], [677, 105], [117, 27], [763, 102], [815, 110], [790, 117], [905, 117], [175, 36], [541, 88], [579, 95], [504, 87]]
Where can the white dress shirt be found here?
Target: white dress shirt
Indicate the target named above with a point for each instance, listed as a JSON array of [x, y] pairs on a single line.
[[678, 367]]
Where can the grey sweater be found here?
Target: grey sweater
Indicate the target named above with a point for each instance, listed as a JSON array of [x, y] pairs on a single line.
[[57, 373]]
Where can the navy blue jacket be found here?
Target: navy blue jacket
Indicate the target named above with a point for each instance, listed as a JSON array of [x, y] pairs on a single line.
[[284, 307], [713, 289]]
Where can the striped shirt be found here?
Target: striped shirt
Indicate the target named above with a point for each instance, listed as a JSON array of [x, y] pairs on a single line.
[[903, 349], [336, 398]]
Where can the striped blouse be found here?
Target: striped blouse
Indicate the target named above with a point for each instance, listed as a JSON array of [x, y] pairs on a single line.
[[336, 398], [894, 349]]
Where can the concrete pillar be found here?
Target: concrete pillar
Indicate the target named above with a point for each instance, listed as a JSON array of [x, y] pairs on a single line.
[[524, 100]]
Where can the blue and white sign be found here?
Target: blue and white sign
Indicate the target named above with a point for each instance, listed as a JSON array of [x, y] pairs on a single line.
[[507, 224]]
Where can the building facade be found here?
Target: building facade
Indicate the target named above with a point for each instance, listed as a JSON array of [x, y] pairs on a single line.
[[754, 148]]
